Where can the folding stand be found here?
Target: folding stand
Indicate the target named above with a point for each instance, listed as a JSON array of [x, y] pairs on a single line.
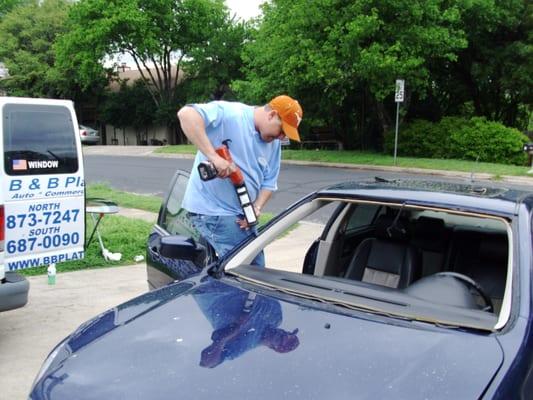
[[98, 208]]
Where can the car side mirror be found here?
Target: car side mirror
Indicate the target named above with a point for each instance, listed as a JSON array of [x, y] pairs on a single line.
[[180, 247]]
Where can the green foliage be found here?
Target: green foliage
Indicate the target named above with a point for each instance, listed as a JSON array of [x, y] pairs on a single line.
[[160, 36], [494, 74], [214, 66], [490, 141], [132, 105], [149, 31], [335, 54], [27, 33], [460, 138], [7, 5]]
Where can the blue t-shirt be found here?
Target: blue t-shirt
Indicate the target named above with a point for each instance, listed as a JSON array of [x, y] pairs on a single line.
[[259, 161]]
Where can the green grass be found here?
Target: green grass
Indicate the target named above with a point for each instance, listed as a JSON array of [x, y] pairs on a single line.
[[124, 199], [355, 157], [120, 235], [366, 158], [178, 149], [264, 218]]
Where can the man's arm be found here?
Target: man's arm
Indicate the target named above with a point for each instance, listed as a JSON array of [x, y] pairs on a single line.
[[193, 126], [262, 198]]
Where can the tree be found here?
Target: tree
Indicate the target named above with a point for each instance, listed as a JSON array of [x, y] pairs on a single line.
[[159, 35], [7, 5], [342, 57], [493, 75], [217, 64], [27, 33]]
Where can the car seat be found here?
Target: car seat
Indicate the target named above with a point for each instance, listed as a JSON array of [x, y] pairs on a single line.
[[387, 259]]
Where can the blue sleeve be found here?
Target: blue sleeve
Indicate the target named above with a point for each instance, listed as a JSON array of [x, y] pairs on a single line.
[[212, 113], [270, 181]]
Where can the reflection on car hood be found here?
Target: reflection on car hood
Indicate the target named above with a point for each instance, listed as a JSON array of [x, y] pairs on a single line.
[[215, 340]]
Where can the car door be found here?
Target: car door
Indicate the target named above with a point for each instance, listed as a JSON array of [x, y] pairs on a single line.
[[173, 224]]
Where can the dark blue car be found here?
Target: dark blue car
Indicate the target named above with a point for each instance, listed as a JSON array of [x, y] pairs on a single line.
[[372, 290]]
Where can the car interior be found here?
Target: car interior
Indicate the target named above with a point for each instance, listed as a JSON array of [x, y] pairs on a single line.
[[442, 257]]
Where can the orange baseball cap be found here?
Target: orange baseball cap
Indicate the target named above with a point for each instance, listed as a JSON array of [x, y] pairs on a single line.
[[291, 115]]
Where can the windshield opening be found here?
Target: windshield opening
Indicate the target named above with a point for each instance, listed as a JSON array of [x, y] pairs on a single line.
[[448, 267]]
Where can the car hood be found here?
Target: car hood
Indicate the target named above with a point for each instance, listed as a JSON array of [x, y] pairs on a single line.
[[212, 339]]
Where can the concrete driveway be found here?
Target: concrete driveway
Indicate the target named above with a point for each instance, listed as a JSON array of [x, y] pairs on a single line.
[[28, 334]]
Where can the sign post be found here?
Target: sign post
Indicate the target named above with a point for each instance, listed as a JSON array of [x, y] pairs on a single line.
[[398, 98]]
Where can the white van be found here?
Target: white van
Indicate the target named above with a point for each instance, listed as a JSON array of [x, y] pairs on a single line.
[[42, 198]]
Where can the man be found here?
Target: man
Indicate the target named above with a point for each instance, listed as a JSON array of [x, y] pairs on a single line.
[[255, 134]]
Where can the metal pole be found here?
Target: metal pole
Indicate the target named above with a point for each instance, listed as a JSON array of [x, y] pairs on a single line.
[[396, 135]]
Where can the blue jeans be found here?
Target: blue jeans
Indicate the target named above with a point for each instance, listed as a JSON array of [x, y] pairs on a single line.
[[223, 233]]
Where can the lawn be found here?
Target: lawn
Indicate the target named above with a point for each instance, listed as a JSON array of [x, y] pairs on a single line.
[[120, 235], [124, 199]]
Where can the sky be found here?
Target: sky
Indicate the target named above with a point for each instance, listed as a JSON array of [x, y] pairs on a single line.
[[245, 9]]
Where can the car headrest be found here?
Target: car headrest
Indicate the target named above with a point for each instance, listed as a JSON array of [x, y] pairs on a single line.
[[430, 233], [388, 229], [494, 249]]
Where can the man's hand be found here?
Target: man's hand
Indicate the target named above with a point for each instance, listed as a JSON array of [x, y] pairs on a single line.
[[243, 224], [223, 167]]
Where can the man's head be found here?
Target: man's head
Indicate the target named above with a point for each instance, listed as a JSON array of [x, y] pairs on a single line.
[[279, 119]]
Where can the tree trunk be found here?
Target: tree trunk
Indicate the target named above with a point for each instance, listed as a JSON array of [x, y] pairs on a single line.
[[383, 116], [170, 135]]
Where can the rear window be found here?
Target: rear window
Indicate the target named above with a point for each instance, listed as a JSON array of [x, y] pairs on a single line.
[[39, 139]]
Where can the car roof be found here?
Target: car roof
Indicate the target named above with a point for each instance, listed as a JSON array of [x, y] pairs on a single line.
[[476, 196]]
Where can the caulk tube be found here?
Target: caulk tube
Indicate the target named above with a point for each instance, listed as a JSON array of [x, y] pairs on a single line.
[[246, 205]]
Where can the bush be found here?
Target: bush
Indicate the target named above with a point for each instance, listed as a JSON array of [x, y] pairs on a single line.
[[460, 138], [420, 138]]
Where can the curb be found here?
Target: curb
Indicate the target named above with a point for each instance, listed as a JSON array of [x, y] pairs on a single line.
[[435, 172]]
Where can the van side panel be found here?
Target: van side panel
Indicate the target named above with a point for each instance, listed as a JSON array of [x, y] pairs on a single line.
[[42, 182]]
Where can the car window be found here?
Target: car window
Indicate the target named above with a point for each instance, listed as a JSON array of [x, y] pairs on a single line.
[[39, 139], [362, 216], [452, 220], [173, 218]]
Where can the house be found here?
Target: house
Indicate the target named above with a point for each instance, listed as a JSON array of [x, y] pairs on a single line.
[[152, 135]]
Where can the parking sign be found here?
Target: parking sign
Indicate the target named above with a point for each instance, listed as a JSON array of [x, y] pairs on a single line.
[[399, 94]]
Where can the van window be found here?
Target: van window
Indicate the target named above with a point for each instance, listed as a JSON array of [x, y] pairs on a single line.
[[39, 139]]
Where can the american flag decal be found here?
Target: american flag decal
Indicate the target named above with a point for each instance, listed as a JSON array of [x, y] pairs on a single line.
[[20, 165]]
